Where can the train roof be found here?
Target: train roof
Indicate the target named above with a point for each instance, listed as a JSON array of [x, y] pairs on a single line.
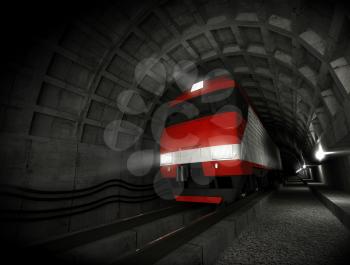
[[211, 85]]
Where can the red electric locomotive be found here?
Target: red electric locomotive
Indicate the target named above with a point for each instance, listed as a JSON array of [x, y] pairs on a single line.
[[214, 145]]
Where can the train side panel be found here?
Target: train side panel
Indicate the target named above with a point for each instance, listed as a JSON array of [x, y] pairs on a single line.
[[257, 147]]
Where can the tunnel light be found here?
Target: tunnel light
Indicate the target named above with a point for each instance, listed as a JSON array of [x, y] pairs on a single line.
[[166, 159], [221, 152], [301, 168], [320, 153], [197, 86], [305, 166]]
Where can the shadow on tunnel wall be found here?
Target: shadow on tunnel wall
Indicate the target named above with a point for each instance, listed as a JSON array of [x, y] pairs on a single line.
[[334, 173]]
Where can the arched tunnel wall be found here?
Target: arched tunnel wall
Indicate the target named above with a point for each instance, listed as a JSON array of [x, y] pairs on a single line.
[[78, 99]]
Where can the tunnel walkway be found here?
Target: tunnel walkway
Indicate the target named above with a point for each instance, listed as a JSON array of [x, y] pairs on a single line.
[[295, 228]]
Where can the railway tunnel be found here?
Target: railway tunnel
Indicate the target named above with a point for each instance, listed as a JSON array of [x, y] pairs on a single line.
[[84, 90]]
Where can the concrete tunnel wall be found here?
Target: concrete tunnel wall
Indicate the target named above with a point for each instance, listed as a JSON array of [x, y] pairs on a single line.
[[334, 173], [93, 71]]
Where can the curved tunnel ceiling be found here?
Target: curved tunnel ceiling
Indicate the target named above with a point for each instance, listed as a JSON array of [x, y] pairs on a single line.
[[117, 63]]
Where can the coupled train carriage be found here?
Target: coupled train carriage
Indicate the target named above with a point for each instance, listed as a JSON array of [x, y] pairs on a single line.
[[214, 145]]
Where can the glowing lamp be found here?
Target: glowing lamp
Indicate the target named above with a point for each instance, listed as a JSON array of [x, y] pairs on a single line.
[[197, 86], [320, 153]]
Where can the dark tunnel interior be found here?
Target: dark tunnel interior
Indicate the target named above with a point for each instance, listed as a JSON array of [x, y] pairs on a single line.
[[85, 87]]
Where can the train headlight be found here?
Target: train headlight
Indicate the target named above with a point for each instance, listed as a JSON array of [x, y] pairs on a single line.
[[166, 159], [222, 152]]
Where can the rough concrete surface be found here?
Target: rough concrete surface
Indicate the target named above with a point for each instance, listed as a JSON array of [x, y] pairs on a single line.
[[294, 228]]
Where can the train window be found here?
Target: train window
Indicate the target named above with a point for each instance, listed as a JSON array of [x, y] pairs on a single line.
[[217, 106], [175, 118], [207, 104], [204, 108], [182, 112], [218, 96]]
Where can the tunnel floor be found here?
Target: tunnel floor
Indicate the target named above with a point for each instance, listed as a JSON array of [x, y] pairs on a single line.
[[295, 228]]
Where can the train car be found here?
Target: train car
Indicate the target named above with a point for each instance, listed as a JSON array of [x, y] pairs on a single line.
[[214, 144]]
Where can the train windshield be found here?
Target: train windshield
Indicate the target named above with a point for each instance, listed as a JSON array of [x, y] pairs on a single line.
[[207, 104]]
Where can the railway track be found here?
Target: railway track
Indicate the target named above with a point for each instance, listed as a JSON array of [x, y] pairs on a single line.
[[161, 247], [102, 244], [144, 239]]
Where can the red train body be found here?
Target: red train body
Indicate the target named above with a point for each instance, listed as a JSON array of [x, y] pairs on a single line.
[[214, 143]]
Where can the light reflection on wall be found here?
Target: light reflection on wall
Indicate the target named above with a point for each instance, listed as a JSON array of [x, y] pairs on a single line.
[[321, 174]]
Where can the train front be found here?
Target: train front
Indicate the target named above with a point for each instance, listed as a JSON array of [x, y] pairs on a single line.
[[201, 142]]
